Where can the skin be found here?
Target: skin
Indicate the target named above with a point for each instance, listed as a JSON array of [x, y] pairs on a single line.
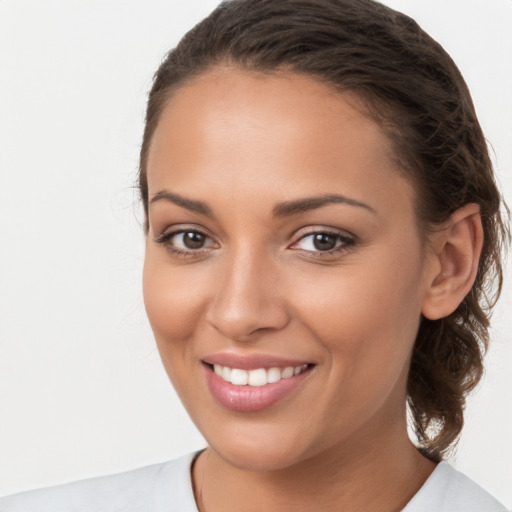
[[242, 143]]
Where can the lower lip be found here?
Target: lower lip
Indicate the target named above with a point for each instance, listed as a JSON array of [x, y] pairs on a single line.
[[251, 398]]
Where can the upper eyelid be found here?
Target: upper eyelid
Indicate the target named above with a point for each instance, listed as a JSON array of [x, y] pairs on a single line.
[[296, 237], [165, 238], [341, 236], [172, 230], [312, 230], [348, 239]]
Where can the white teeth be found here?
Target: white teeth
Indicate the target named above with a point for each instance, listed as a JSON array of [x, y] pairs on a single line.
[[273, 375], [287, 372], [257, 377], [239, 377], [226, 373]]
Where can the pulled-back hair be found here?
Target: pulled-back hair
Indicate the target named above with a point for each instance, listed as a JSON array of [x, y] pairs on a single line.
[[413, 89]]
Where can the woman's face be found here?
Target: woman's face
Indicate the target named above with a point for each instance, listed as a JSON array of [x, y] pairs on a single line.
[[281, 236]]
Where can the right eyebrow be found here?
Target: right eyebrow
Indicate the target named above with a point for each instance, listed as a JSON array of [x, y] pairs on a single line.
[[189, 204]]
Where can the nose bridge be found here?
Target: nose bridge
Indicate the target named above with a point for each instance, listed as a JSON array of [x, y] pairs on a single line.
[[247, 298]]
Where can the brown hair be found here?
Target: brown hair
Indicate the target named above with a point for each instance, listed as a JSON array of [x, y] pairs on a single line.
[[411, 86]]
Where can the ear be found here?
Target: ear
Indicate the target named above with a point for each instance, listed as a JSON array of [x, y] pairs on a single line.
[[456, 254]]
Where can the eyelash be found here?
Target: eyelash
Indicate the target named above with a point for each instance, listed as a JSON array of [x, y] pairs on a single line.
[[165, 240], [346, 243]]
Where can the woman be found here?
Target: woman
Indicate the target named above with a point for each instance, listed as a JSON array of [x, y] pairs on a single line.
[[322, 229]]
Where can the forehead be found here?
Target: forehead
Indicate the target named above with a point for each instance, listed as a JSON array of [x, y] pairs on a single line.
[[296, 105], [263, 133]]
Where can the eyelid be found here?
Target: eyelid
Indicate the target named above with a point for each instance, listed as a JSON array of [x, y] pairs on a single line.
[[344, 240], [315, 229], [348, 239], [167, 235], [176, 230]]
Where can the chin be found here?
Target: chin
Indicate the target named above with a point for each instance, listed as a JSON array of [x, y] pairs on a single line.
[[269, 445], [271, 456]]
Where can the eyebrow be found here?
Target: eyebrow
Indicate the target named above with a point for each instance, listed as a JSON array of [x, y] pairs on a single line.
[[306, 204], [284, 209], [190, 204]]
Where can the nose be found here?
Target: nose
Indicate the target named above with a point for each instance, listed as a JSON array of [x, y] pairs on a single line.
[[248, 300]]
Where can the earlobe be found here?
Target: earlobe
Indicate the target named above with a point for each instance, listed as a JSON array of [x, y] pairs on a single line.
[[457, 250]]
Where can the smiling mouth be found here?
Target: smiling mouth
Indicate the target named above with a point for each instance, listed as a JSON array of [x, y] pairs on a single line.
[[257, 377], [261, 382]]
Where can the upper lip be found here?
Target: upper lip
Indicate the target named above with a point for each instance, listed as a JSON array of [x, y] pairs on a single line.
[[252, 361]]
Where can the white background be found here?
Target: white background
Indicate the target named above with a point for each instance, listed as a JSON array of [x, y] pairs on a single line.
[[82, 391]]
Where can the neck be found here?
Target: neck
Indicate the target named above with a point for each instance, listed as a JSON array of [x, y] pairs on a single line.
[[356, 475]]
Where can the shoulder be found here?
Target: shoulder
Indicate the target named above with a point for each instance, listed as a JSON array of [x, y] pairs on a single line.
[[166, 486], [449, 490]]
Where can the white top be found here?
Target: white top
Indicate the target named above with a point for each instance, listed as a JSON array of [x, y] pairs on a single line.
[[167, 487]]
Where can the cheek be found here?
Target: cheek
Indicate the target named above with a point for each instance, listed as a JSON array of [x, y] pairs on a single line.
[[366, 313], [366, 320], [173, 297]]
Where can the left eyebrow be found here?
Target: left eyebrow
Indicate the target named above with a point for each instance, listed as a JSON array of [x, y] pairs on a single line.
[[306, 204]]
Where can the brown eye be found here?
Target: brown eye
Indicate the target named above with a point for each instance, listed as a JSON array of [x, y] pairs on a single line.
[[324, 241], [186, 241], [193, 240]]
